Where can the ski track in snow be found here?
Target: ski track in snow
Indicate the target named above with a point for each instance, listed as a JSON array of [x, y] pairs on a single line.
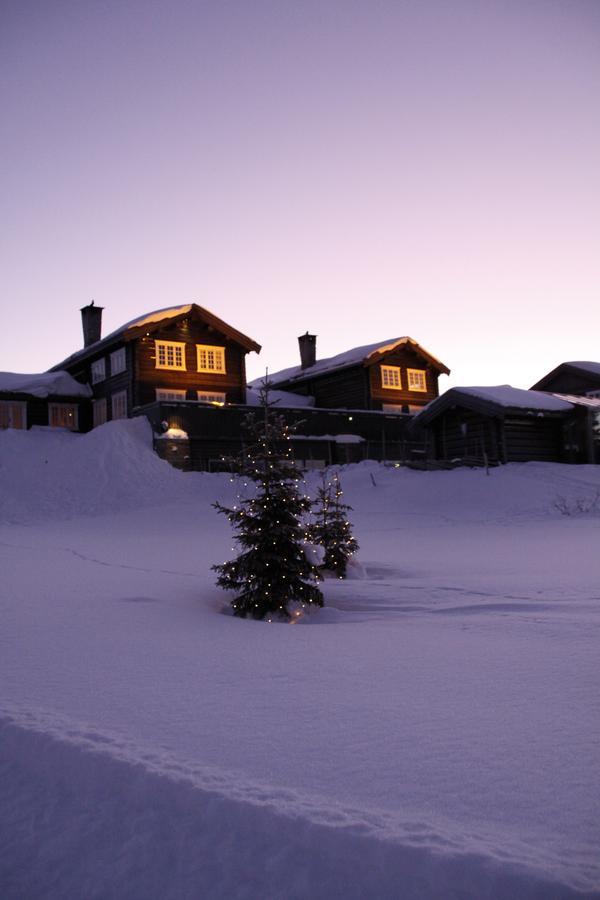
[[431, 847]]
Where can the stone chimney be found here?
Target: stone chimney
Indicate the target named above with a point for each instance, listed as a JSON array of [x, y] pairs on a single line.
[[91, 321], [308, 350]]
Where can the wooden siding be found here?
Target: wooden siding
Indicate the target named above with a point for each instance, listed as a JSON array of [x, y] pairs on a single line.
[[533, 439], [37, 408], [572, 382], [147, 377], [112, 384], [460, 434], [348, 389], [405, 359]]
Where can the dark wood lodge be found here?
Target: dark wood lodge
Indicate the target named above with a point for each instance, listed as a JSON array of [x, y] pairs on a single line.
[[504, 424], [50, 400], [183, 353], [397, 376], [579, 378]]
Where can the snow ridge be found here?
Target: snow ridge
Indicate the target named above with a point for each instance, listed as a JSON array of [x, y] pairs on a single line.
[[420, 853]]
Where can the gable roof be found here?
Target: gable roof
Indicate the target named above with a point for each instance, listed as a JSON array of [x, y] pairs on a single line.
[[498, 400], [577, 367], [155, 320], [366, 355], [44, 384]]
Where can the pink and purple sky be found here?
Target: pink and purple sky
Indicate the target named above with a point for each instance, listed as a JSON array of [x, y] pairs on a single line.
[[361, 170]]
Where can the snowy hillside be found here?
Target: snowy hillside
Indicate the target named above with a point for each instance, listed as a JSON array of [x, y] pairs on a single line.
[[434, 732]]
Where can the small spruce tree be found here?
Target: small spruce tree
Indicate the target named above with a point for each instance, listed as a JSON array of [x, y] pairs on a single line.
[[331, 528], [272, 570]]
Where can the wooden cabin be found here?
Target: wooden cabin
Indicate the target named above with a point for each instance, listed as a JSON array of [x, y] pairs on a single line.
[[53, 400], [396, 376], [495, 425], [578, 378], [181, 353]]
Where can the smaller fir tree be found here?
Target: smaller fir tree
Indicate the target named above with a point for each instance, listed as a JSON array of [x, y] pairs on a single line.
[[332, 529], [272, 571]]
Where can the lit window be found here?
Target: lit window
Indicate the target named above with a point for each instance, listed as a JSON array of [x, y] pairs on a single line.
[[216, 398], [62, 415], [416, 380], [98, 370], [210, 359], [170, 355], [13, 414], [99, 412], [118, 404], [117, 361], [167, 394], [390, 377]]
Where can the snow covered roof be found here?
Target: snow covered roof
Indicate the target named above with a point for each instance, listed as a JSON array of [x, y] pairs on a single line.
[[580, 367], [365, 355], [152, 320], [498, 399], [281, 398], [579, 400], [44, 384]]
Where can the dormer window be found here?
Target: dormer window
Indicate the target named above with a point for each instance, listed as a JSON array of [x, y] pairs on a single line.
[[211, 359], [390, 377], [417, 379], [98, 370], [170, 355]]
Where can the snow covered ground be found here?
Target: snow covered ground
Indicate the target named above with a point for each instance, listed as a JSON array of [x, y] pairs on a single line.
[[434, 732]]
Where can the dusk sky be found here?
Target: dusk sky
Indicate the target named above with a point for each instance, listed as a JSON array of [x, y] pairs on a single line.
[[360, 170]]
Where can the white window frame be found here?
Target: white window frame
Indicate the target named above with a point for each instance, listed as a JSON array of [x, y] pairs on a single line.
[[396, 408], [98, 370], [118, 361], [210, 359], [170, 395], [118, 405], [61, 407], [421, 379], [99, 412], [391, 378], [217, 398], [170, 349], [9, 407]]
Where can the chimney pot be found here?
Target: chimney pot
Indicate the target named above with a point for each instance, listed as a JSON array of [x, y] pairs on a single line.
[[91, 322], [308, 350]]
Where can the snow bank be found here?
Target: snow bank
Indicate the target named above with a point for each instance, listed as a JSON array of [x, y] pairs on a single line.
[[47, 474], [197, 839]]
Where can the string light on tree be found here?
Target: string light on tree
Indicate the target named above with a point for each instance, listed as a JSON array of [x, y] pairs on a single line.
[[331, 528], [272, 571]]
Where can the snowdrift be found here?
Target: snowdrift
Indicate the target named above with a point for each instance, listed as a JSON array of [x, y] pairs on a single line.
[[433, 735]]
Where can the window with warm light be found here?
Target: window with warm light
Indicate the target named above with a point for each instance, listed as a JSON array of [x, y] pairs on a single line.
[[217, 398], [390, 377], [98, 370], [168, 394], [13, 414], [63, 415], [170, 355], [210, 359], [99, 412], [417, 380], [118, 403]]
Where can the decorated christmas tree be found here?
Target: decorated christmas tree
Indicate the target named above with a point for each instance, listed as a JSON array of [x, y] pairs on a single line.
[[331, 528], [271, 576]]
